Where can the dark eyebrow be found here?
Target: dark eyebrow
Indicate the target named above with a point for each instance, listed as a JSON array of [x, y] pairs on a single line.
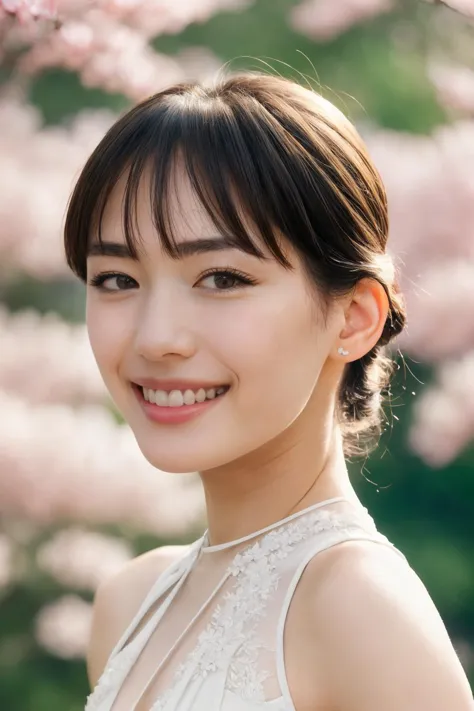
[[109, 249], [183, 249]]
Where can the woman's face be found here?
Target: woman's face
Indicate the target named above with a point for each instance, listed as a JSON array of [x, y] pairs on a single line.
[[255, 332]]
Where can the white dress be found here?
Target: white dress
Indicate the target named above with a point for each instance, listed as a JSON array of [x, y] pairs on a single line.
[[225, 608]]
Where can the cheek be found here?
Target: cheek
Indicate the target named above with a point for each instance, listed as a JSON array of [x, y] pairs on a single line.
[[275, 351]]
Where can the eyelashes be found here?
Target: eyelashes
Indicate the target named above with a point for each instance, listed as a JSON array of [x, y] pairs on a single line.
[[225, 275]]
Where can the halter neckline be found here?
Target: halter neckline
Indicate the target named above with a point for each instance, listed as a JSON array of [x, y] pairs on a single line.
[[205, 548]]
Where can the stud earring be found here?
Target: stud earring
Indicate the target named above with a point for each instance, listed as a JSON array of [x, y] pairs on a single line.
[[341, 351]]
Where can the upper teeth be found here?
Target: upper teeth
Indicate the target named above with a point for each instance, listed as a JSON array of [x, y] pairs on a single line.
[[176, 398]]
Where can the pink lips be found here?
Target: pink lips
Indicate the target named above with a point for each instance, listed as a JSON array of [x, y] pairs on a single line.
[[173, 415]]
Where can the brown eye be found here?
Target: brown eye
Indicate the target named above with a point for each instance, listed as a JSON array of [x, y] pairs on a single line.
[[226, 280]]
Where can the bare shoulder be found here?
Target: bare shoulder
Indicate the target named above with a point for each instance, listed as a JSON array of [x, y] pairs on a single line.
[[383, 642], [118, 599]]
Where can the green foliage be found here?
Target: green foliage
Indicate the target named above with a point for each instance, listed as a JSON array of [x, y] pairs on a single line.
[[30, 678], [60, 96], [362, 71]]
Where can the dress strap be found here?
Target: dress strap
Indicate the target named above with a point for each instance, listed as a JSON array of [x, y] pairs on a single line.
[[153, 624], [175, 575]]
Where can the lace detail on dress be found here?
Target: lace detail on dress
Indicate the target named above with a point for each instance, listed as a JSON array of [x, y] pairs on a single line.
[[229, 641], [244, 677]]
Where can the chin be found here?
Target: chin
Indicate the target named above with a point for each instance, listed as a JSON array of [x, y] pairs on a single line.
[[184, 459]]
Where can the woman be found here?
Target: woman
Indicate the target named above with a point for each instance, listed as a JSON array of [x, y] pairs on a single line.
[[239, 300]]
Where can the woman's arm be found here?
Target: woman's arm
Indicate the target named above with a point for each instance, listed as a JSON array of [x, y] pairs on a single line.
[[384, 645]]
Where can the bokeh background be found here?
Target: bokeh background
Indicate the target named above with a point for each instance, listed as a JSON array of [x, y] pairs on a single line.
[[77, 498]]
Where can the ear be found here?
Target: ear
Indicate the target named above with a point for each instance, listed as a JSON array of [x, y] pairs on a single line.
[[366, 312]]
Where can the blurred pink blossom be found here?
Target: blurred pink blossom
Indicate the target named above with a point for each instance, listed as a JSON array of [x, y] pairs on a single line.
[[444, 414], [30, 9], [107, 43], [325, 19], [46, 359], [60, 464], [430, 187], [33, 198], [63, 627], [156, 17], [111, 56], [454, 85], [441, 306], [83, 559]]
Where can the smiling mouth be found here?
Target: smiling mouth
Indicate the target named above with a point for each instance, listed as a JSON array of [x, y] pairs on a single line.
[[181, 398]]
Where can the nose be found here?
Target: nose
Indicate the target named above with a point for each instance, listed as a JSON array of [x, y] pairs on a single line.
[[164, 328]]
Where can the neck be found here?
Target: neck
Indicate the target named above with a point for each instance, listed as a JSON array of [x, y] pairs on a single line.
[[282, 478]]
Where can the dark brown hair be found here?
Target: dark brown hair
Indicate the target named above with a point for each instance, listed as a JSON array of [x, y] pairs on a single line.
[[294, 164]]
